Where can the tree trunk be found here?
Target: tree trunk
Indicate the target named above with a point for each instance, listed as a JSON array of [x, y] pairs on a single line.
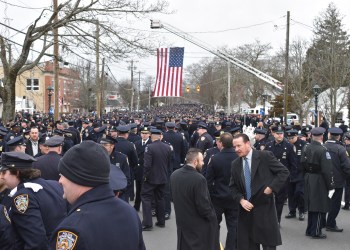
[[9, 98]]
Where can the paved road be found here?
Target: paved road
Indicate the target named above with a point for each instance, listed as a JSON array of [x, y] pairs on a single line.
[[292, 230]]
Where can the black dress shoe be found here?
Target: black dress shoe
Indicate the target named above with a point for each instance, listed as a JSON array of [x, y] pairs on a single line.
[[346, 207], [290, 215], [154, 213], [159, 224], [320, 236], [301, 216], [167, 216], [147, 228], [334, 229]]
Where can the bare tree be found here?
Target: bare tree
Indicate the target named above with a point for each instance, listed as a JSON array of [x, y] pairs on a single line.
[[75, 20]]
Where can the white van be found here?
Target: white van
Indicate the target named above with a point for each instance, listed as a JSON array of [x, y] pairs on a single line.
[[292, 117]]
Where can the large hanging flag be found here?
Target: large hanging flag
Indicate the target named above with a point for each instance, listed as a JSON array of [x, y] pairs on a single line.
[[169, 72]]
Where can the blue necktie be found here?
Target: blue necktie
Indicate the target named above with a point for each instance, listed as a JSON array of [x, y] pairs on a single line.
[[247, 179]]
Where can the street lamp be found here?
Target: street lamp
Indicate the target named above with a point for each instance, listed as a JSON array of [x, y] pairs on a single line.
[[50, 90], [264, 96], [316, 89]]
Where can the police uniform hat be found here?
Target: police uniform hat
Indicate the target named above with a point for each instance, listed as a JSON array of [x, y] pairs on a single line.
[[278, 129], [218, 133], [42, 138], [113, 129], [117, 179], [170, 124], [260, 131], [86, 164], [86, 121], [58, 132], [202, 125], [235, 129], [306, 129], [292, 132], [347, 136], [335, 131], [217, 123], [17, 141], [318, 131], [155, 131], [18, 160], [70, 122], [132, 125], [107, 140], [54, 141], [102, 128], [145, 130], [183, 122], [123, 129]]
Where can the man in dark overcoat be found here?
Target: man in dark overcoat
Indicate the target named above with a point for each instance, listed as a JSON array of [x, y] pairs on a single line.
[[197, 226], [255, 177]]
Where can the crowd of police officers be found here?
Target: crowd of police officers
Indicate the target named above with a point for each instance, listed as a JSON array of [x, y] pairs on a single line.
[[136, 142]]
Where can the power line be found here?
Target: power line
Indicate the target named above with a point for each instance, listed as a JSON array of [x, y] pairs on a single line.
[[24, 7], [303, 24]]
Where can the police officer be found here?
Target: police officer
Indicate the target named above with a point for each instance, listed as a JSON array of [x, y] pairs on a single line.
[[341, 170], [88, 132], [96, 220], [317, 167], [118, 159], [260, 138], [205, 140], [140, 148], [347, 185], [157, 168], [37, 204], [218, 179], [17, 144], [284, 152], [296, 184], [48, 163], [133, 136], [75, 133], [211, 151]]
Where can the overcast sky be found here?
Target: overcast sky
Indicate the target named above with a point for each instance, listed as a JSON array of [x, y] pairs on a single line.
[[219, 23]]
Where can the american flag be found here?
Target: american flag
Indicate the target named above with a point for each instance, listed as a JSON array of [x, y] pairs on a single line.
[[169, 72]]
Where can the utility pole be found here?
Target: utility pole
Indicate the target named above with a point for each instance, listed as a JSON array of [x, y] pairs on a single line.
[[228, 88], [98, 89], [102, 87], [138, 93], [285, 98], [132, 68], [56, 66]]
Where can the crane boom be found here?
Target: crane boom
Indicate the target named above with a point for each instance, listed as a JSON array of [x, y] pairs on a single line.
[[261, 75]]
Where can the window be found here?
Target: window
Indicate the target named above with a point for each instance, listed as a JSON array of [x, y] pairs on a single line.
[[32, 84]]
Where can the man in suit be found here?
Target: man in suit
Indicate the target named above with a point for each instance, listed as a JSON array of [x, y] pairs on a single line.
[[32, 144], [218, 178], [255, 176], [156, 174], [196, 221]]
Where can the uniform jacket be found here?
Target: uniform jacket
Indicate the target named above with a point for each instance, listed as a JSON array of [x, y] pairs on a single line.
[[75, 135], [204, 142], [340, 163], [261, 221], [134, 137], [207, 155], [121, 161], [320, 180], [89, 134], [140, 154], [197, 226], [296, 174], [128, 148], [178, 143], [157, 162], [218, 175], [7, 239], [99, 220], [48, 165], [35, 213]]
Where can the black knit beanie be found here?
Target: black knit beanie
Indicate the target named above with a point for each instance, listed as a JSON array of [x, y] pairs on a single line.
[[86, 164]]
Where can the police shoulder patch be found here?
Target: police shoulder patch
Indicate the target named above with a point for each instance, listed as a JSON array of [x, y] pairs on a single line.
[[22, 202], [328, 156], [66, 240], [202, 138], [6, 214]]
